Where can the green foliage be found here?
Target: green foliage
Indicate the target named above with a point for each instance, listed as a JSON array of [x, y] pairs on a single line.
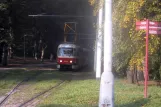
[[97, 4], [4, 23], [3, 7], [129, 44]]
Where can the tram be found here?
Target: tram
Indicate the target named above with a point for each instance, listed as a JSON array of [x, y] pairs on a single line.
[[70, 55]]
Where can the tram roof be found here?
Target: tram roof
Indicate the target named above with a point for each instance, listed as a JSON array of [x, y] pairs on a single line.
[[71, 44], [68, 44]]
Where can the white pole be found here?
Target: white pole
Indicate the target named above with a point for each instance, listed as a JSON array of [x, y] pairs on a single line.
[[99, 44], [107, 79], [95, 54], [95, 49]]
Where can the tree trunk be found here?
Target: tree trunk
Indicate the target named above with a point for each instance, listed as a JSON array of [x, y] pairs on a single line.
[[42, 55], [36, 55], [130, 76], [51, 57], [1, 52], [43, 51], [10, 52], [4, 56], [35, 52], [135, 75], [140, 75]]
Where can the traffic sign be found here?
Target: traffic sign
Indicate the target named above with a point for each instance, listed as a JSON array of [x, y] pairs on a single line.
[[154, 23], [154, 32], [151, 28], [141, 23], [151, 23], [154, 28], [143, 27]]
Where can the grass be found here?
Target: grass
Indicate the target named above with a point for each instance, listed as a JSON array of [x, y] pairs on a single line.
[[9, 79], [77, 93], [85, 93], [29, 89], [38, 84]]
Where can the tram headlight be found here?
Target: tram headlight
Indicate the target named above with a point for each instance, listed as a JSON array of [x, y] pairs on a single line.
[[71, 61], [60, 60]]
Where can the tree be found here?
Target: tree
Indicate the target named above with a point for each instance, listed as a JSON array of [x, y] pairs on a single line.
[[20, 24], [5, 35], [131, 43]]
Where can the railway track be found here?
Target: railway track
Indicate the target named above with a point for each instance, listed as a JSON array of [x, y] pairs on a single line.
[[41, 93], [3, 76], [18, 85]]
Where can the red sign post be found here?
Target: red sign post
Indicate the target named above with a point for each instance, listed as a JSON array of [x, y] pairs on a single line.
[[151, 28], [146, 59]]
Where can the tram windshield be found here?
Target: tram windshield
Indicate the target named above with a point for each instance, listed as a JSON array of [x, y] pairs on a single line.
[[66, 52]]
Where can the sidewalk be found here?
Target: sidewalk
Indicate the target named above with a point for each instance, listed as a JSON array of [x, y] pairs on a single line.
[[29, 63]]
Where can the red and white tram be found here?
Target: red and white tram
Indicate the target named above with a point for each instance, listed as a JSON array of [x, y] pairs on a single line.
[[70, 55]]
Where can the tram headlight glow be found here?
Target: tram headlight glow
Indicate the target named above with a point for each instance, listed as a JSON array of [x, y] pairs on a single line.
[[60, 60], [71, 61]]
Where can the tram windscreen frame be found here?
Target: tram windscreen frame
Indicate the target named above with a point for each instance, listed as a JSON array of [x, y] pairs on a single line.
[[66, 52]]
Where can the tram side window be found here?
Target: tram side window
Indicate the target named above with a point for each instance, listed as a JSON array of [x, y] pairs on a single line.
[[82, 52], [78, 52], [75, 52]]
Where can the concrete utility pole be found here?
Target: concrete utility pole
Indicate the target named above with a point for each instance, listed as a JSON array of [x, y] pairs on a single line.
[[95, 57], [106, 98], [99, 44]]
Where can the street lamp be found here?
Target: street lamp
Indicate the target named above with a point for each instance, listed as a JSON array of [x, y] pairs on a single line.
[[106, 98]]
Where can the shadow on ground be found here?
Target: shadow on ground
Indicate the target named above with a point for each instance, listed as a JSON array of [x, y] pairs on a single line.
[[60, 105], [18, 74], [138, 103]]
